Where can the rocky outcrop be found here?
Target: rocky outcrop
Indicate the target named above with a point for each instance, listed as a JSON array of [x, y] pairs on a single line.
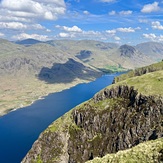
[[115, 119]]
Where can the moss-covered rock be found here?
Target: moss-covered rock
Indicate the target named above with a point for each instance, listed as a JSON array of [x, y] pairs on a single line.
[[119, 117], [115, 119], [147, 152]]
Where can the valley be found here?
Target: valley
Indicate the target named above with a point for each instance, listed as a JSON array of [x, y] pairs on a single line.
[[31, 69]]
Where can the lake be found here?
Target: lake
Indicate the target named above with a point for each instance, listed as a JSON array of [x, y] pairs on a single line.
[[19, 129]]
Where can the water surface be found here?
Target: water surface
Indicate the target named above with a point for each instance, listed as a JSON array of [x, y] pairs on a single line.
[[19, 129]]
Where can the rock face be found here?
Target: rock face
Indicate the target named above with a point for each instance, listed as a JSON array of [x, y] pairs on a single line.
[[115, 119], [127, 51]]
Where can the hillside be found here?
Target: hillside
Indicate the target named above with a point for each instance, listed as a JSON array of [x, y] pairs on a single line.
[[119, 117], [152, 49], [21, 71], [104, 55], [140, 71], [29, 64], [148, 152]]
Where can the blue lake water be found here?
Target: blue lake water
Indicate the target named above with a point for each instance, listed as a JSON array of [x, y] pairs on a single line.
[[19, 129]]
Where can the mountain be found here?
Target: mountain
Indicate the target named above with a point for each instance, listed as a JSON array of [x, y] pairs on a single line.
[[28, 42], [22, 71], [129, 57], [30, 63], [152, 49], [127, 51], [121, 116]]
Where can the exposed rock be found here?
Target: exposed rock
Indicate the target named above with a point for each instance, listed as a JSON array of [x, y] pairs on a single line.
[[115, 119]]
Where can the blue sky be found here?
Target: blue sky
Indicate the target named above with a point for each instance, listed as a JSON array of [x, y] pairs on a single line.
[[119, 21]]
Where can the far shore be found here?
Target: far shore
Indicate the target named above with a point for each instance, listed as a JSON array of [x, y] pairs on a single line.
[[46, 92]]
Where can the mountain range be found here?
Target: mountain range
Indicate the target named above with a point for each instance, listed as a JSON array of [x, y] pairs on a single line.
[[59, 64]]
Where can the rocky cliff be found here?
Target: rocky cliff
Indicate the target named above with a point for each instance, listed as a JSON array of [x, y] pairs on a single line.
[[116, 118]]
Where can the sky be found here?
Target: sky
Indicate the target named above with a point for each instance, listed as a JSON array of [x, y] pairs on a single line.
[[119, 21]]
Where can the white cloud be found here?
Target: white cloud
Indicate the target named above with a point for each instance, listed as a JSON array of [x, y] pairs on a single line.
[[95, 35], [112, 12], [113, 31], [72, 29], [1, 34], [137, 28], [23, 36], [33, 9], [117, 38], [69, 29], [127, 30], [129, 12], [150, 8], [37, 26], [12, 25], [13, 18], [86, 12], [157, 25], [64, 35], [153, 37], [20, 26]]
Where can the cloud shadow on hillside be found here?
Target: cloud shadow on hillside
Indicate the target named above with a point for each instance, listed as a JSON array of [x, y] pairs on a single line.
[[67, 72]]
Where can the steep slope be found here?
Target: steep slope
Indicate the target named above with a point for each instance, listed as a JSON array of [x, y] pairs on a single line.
[[106, 55], [140, 71], [151, 49], [129, 57], [98, 51], [117, 118], [21, 70], [148, 152]]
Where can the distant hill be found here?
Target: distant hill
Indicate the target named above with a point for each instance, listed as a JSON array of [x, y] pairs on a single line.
[[28, 42], [28, 61], [105, 55], [152, 49], [117, 125]]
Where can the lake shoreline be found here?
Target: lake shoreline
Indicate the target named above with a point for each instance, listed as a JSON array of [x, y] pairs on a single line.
[[67, 86]]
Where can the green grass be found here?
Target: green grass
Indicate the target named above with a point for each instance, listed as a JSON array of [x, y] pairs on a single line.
[[112, 69], [140, 71], [147, 84], [147, 152]]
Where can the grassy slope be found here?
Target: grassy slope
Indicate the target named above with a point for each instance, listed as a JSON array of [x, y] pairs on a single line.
[[147, 80], [147, 84], [147, 152], [140, 71], [19, 84]]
